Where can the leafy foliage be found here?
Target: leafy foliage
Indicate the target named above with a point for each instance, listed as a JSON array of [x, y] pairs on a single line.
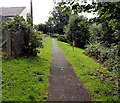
[[104, 31], [108, 17], [42, 27], [59, 18], [77, 30], [55, 35], [30, 42], [50, 25], [104, 41], [107, 56], [62, 38]]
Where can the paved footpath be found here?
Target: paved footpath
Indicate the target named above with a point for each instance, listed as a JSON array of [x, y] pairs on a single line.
[[63, 82]]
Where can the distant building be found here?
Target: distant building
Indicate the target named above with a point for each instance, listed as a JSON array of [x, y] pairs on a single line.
[[7, 13]]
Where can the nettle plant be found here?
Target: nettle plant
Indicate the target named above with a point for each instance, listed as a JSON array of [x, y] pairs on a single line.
[[30, 42]]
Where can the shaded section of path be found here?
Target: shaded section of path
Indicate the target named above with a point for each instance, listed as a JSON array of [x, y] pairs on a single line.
[[64, 85]]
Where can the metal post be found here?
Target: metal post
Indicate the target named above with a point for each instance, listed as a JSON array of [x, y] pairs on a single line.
[[73, 48], [72, 42]]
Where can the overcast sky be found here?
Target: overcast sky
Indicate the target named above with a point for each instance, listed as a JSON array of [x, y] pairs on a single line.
[[41, 8]]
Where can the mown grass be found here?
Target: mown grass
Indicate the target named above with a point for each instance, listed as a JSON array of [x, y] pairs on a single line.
[[27, 79], [102, 85]]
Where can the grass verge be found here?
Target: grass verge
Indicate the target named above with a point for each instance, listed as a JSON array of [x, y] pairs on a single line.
[[27, 79], [102, 84]]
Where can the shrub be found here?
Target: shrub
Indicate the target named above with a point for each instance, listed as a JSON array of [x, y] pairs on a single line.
[[103, 54], [55, 35], [112, 63], [34, 42], [62, 38], [25, 34], [104, 45]]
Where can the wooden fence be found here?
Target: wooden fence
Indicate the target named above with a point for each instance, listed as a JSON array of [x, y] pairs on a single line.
[[12, 44]]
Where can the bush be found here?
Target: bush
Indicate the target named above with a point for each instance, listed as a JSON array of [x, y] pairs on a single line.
[[107, 56], [34, 42], [103, 46], [55, 35], [112, 62], [25, 34], [62, 38]]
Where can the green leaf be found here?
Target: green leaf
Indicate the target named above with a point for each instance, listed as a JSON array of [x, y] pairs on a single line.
[[88, 11]]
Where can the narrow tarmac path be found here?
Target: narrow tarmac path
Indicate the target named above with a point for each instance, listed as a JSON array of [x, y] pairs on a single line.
[[63, 82]]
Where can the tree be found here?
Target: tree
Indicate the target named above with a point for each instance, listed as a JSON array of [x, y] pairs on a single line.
[[105, 36], [108, 17], [60, 17], [42, 27], [50, 25], [77, 31]]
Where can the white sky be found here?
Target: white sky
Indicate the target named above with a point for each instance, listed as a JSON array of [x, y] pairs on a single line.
[[41, 8]]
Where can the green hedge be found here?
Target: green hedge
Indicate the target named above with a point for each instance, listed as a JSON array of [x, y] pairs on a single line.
[[55, 35], [62, 38]]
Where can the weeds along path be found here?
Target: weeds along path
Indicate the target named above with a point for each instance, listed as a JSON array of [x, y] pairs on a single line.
[[64, 84]]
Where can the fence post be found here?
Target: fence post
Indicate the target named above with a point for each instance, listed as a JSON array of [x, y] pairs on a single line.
[[9, 45]]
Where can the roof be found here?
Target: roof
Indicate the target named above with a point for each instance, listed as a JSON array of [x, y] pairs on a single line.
[[11, 11]]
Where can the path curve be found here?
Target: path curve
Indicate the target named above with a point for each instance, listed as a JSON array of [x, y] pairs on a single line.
[[63, 82]]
